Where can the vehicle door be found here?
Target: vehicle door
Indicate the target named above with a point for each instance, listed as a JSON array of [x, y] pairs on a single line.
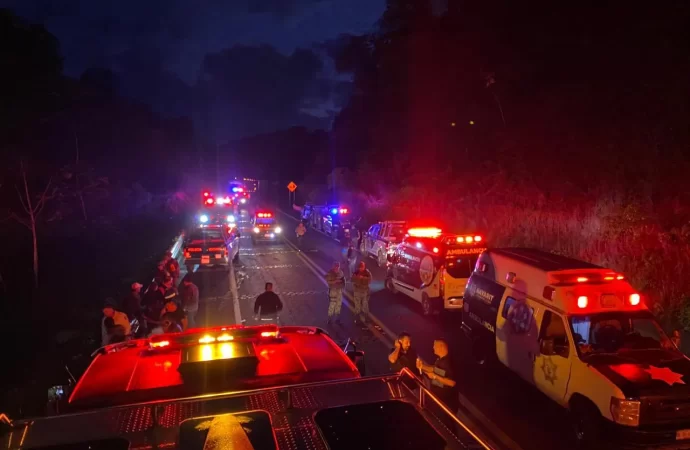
[[517, 335], [370, 238], [379, 241], [553, 361]]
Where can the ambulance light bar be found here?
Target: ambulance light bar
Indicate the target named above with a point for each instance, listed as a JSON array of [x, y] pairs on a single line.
[[262, 215]]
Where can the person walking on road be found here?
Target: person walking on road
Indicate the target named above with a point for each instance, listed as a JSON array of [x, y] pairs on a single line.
[[336, 282], [351, 259], [361, 280], [190, 300], [268, 306], [301, 230]]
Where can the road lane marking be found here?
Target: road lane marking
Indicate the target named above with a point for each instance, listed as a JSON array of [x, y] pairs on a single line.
[[388, 340]]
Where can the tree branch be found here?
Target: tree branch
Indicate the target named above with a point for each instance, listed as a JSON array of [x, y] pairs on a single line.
[[21, 200]]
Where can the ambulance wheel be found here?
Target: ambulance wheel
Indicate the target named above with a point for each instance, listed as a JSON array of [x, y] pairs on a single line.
[[585, 421], [390, 285], [381, 260]]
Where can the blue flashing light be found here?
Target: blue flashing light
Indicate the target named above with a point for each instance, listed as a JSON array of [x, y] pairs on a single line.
[[334, 211], [234, 189], [203, 218]]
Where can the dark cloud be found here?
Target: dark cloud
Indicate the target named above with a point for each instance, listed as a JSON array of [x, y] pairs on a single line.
[[250, 90], [157, 47]]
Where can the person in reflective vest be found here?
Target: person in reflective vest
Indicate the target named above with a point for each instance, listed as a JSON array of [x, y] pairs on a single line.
[[336, 281], [361, 280]]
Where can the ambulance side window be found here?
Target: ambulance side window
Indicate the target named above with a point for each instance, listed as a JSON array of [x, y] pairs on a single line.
[[553, 327]]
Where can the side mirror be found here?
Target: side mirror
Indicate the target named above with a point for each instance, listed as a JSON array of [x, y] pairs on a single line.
[[546, 347]]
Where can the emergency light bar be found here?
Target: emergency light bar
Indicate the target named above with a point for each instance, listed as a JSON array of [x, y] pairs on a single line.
[[210, 201], [264, 215], [424, 232]]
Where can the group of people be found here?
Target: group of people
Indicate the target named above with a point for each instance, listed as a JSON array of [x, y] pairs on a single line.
[[438, 377], [164, 307]]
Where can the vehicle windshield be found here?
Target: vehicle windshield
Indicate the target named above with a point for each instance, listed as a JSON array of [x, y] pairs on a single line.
[[460, 266], [398, 232], [618, 332], [262, 221]]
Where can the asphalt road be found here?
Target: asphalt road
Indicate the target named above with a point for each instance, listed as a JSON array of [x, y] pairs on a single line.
[[519, 416]]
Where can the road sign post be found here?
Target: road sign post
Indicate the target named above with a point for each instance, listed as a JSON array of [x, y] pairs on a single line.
[[291, 192]]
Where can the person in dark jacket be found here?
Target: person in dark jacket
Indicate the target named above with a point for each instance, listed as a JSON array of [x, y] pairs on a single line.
[[268, 306]]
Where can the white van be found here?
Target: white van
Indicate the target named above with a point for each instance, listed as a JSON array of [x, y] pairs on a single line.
[[581, 335]]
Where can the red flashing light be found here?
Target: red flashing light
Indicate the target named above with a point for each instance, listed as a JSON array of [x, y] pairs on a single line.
[[477, 239], [160, 344], [424, 232], [206, 193], [264, 215], [608, 278], [269, 334], [582, 302], [634, 299], [460, 239], [435, 249], [620, 277], [582, 279], [209, 201], [343, 210]]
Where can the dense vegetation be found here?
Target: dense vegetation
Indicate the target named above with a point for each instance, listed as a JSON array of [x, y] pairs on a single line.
[[563, 127]]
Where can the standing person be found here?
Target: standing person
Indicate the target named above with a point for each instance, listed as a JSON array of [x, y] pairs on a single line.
[[173, 267], [301, 230], [351, 259], [117, 319], [336, 281], [360, 284], [442, 378], [161, 273], [131, 305], [190, 300], [267, 306], [403, 355], [153, 302]]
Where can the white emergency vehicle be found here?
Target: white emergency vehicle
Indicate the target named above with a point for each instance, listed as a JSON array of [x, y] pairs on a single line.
[[432, 267], [581, 335]]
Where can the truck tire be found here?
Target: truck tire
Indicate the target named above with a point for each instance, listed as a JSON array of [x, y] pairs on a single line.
[[585, 422]]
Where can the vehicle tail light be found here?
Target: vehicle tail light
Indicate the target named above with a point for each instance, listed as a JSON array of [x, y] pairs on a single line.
[[193, 249], [634, 299], [187, 255], [209, 201], [582, 302], [216, 249]]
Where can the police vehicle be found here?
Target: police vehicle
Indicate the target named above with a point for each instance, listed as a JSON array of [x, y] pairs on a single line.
[[432, 267], [581, 335], [264, 227], [336, 222]]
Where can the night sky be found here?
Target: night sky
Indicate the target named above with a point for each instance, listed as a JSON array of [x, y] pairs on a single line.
[[253, 81]]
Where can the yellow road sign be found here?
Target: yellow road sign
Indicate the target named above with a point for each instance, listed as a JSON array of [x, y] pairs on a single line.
[[292, 186]]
